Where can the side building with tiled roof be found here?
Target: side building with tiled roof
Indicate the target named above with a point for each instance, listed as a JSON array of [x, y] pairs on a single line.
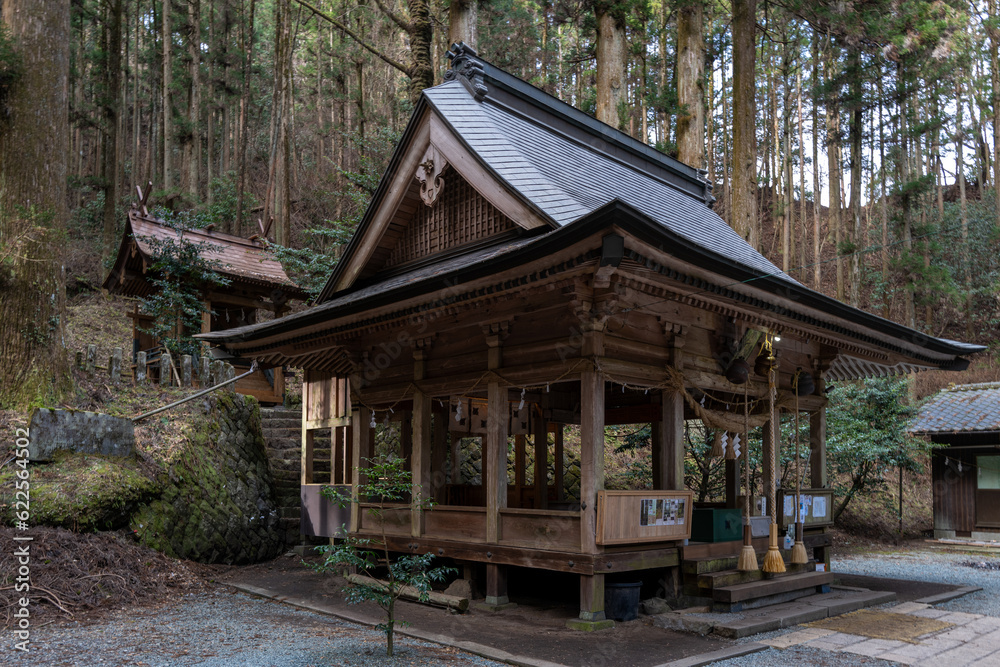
[[256, 282], [965, 421]]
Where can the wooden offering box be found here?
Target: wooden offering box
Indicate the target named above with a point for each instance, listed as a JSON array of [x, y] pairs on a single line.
[[632, 517]]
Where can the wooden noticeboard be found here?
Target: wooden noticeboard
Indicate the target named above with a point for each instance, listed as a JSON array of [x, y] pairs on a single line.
[[818, 507], [631, 517]]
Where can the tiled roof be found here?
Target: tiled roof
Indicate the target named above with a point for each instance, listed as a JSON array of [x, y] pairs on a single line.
[[967, 407], [566, 178]]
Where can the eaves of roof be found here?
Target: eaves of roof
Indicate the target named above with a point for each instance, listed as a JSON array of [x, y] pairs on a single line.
[[644, 229]]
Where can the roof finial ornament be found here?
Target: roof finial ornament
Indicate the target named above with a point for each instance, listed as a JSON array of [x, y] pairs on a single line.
[[464, 62]]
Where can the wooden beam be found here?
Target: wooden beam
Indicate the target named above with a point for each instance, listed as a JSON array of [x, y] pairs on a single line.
[[495, 458], [592, 597], [541, 442], [420, 460], [496, 585], [817, 442]]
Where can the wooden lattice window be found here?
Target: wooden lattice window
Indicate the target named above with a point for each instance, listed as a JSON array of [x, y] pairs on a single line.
[[459, 216]]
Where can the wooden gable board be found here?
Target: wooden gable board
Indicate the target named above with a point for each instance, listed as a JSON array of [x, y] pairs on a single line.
[[402, 201]]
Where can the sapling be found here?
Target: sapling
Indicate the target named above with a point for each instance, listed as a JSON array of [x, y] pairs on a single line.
[[388, 484]]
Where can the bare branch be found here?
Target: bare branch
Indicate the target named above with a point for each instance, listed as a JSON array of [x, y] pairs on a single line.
[[350, 33], [394, 17]]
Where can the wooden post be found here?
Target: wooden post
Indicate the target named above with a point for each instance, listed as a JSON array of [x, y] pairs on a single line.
[[591, 455], [496, 586], [360, 453], [91, 359], [406, 440], [495, 442], [420, 454], [439, 448], [140, 368], [186, 370], [115, 365], [592, 597], [817, 440], [519, 470], [166, 368], [541, 438], [308, 438], [560, 464], [733, 483]]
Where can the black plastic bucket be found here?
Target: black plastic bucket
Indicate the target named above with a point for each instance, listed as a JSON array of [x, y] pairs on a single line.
[[621, 601]]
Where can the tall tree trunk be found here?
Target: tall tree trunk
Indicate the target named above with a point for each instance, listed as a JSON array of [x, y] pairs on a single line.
[[247, 30], [995, 79], [787, 241], [744, 195], [463, 22], [110, 114], [192, 137], [34, 153], [833, 154], [883, 207], [903, 178], [690, 83], [421, 37], [856, 131], [803, 226], [280, 123], [168, 105], [963, 209], [817, 237], [610, 68]]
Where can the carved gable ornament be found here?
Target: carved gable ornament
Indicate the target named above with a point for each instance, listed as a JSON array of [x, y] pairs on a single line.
[[429, 171]]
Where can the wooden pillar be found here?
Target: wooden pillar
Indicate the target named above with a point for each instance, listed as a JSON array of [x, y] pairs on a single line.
[[559, 465], [519, 470], [306, 476], [733, 482], [770, 453], [591, 456], [495, 443], [406, 440], [496, 586], [817, 448], [541, 439], [668, 444], [420, 454], [360, 453], [439, 448], [592, 597]]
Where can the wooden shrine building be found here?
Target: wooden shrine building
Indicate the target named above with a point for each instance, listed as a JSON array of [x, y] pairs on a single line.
[[524, 272], [964, 420], [257, 282]]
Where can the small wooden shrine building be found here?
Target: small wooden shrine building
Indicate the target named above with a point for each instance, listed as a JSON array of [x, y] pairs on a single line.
[[523, 267], [256, 282], [965, 421]]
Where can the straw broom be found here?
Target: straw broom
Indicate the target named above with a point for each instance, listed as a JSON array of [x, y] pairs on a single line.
[[748, 558], [773, 563], [799, 555]]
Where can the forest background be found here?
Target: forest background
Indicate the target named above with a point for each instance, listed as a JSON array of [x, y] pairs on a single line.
[[854, 143]]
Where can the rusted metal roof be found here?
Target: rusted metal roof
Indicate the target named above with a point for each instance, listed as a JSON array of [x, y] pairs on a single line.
[[241, 260], [962, 408]]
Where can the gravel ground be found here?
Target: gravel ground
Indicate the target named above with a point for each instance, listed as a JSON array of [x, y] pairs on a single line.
[[222, 629], [918, 565], [935, 566]]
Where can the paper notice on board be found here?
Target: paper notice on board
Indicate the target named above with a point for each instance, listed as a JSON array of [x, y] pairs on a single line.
[[789, 506], [819, 507]]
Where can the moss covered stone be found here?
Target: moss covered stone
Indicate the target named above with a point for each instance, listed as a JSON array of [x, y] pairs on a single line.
[[219, 506]]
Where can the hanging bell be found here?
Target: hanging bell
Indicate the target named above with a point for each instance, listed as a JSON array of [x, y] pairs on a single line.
[[738, 371], [805, 385]]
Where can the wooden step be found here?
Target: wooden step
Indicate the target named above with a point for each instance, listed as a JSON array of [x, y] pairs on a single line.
[[704, 565], [732, 576], [768, 587]]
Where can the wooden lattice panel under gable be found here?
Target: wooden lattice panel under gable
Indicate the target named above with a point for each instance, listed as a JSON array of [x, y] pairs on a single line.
[[459, 216]]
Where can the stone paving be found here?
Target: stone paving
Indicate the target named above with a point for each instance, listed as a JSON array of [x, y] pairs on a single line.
[[973, 640]]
